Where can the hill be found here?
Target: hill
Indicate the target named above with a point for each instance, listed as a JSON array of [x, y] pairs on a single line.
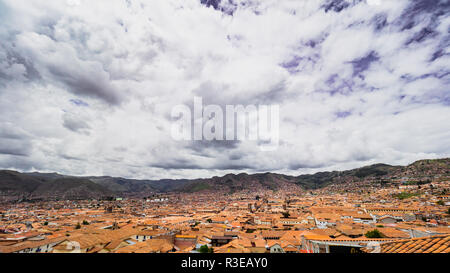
[[31, 186], [13, 182], [70, 188], [231, 183], [53, 185]]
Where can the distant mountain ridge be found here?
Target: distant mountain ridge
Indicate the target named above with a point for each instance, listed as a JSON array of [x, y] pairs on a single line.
[[15, 185], [29, 186]]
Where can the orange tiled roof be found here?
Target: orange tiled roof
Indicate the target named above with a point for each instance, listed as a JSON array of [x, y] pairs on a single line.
[[434, 244], [149, 246]]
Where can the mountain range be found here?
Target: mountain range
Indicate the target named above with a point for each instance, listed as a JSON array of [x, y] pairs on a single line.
[[48, 186]]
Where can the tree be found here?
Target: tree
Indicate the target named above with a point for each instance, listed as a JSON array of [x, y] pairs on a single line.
[[440, 202], [374, 234], [45, 223], [209, 220], [85, 222], [78, 226], [205, 249], [285, 214]]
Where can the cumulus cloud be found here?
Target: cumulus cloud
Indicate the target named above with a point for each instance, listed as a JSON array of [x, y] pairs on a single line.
[[87, 87], [14, 141]]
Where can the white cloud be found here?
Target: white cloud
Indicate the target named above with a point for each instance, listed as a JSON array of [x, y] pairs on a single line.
[[91, 84]]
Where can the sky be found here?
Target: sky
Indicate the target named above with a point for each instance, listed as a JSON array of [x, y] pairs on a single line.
[[87, 87]]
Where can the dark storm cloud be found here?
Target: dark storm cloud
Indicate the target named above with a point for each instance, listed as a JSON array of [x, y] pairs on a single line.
[[338, 85], [48, 60], [79, 102], [422, 35], [379, 21], [69, 157], [231, 166], [423, 10], [362, 64], [304, 165], [437, 54], [214, 93], [19, 163], [292, 64], [75, 124], [14, 57], [211, 3], [442, 74], [226, 6], [182, 164], [84, 83], [177, 164], [201, 146], [343, 114], [14, 141], [338, 5], [211, 150], [8, 130], [274, 94], [210, 92], [236, 156], [15, 147]]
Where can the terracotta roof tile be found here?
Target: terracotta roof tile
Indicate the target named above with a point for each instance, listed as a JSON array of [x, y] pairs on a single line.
[[435, 244]]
